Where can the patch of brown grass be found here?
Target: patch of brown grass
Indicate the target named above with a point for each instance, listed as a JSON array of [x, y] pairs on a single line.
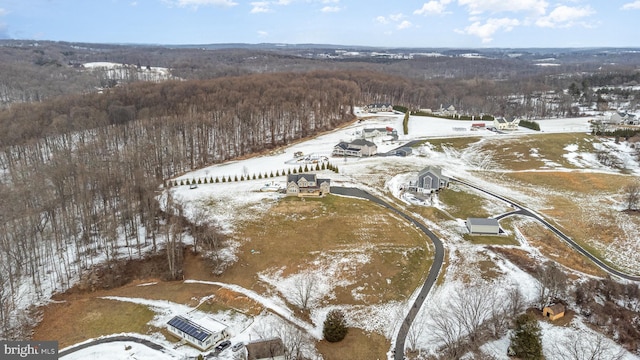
[[357, 345], [578, 182], [295, 233], [554, 248], [76, 321]]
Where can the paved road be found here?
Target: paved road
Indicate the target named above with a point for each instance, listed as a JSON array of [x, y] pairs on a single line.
[[117, 338], [433, 272], [526, 212]]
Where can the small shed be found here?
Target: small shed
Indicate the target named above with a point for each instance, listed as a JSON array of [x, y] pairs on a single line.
[[483, 226], [553, 312], [272, 349]]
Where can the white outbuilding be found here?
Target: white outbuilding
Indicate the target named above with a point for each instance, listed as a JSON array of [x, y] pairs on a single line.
[[483, 226]]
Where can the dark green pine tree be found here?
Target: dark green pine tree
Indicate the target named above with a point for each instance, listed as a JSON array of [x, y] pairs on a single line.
[[335, 326], [305, 168], [525, 341]]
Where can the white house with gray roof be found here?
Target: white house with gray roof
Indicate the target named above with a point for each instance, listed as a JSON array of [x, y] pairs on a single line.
[[430, 179]]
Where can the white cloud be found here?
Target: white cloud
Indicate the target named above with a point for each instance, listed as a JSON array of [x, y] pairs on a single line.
[[396, 17], [631, 6], [330, 9], [536, 7], [262, 34], [382, 20], [197, 3], [433, 7], [260, 7], [133, 3], [491, 26], [283, 2], [564, 16], [330, 1], [404, 25]]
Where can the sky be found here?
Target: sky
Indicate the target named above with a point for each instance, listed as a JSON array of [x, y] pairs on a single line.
[[383, 23]]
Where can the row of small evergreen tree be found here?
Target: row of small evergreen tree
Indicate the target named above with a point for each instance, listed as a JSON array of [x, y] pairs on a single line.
[[224, 179]]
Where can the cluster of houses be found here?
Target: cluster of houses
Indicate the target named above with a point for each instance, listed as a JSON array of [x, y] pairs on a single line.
[[623, 118]]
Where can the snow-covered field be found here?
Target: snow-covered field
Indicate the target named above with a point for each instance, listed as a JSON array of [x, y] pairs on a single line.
[[230, 203]]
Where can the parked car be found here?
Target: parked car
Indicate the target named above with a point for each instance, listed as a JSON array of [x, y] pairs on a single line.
[[237, 346], [223, 345]]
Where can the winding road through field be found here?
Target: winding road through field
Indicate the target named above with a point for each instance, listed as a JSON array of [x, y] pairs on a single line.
[[526, 212], [438, 260]]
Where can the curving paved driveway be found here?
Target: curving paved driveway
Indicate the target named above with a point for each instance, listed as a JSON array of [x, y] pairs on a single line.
[[117, 338], [526, 212], [438, 259]]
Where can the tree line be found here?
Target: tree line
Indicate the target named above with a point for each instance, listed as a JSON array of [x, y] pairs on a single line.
[[80, 175]]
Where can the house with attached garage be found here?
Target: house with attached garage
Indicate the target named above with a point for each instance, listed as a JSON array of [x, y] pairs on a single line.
[[201, 332], [302, 185], [506, 123], [483, 226], [356, 148], [430, 179]]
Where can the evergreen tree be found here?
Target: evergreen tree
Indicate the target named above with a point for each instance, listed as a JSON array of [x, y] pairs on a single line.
[[181, 182], [305, 168], [335, 326], [295, 171], [300, 169], [211, 180], [324, 166], [217, 180], [289, 171], [317, 167], [525, 341], [254, 176], [199, 181], [224, 179], [277, 173], [271, 174], [235, 178], [205, 180]]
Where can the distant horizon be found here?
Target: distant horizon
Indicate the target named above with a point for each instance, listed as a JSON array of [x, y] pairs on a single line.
[[372, 23], [320, 45]]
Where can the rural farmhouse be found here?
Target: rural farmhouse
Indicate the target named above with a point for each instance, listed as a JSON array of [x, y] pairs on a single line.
[[202, 333]]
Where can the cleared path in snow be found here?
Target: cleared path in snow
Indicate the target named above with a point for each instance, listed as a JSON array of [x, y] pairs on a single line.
[[438, 260], [117, 338]]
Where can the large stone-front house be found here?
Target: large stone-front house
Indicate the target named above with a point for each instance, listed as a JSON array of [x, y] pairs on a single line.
[[357, 148], [430, 179], [307, 185]]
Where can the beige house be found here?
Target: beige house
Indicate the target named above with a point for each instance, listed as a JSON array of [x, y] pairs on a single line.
[[508, 123], [272, 349], [307, 185], [357, 148], [553, 312]]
